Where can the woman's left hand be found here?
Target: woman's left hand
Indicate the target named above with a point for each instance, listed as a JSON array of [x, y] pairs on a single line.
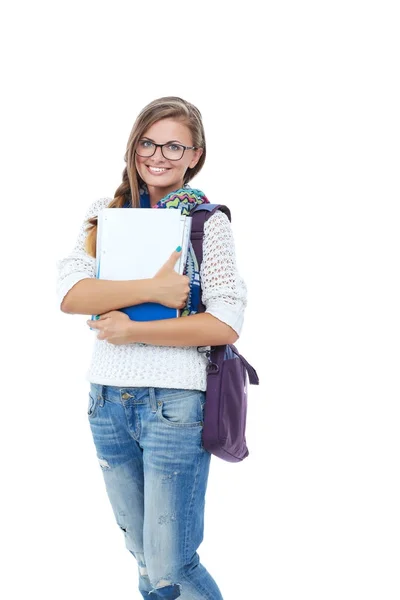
[[114, 326]]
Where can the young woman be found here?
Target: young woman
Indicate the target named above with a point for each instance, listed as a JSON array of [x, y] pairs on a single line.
[[148, 380]]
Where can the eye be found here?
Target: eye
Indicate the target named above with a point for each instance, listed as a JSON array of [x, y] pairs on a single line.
[[145, 144], [174, 147]]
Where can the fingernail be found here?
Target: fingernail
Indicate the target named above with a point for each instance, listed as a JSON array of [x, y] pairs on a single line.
[[179, 248]]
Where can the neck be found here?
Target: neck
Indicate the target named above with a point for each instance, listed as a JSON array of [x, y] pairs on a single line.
[[156, 193]]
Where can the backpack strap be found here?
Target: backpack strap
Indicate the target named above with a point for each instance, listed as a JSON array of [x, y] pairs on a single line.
[[200, 214]]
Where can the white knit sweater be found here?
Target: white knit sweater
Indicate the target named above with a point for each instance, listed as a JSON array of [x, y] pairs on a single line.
[[143, 365]]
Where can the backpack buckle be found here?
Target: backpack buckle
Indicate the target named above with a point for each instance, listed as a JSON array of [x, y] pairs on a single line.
[[204, 350]]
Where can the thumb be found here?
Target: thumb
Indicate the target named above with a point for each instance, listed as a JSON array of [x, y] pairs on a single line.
[[171, 262]]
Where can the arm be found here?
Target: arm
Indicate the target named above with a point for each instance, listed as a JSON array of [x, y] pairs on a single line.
[[195, 330], [96, 296], [78, 266]]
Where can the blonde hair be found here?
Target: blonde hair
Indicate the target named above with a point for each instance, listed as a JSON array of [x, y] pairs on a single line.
[[163, 108]]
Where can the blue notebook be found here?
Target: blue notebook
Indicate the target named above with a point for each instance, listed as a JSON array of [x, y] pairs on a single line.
[[150, 311], [135, 244]]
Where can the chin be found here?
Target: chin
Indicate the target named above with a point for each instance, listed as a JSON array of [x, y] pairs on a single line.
[[162, 182]]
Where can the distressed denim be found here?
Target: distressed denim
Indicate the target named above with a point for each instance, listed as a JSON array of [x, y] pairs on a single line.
[[148, 443]]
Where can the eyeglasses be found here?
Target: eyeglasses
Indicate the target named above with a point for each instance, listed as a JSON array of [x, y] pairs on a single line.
[[170, 151]]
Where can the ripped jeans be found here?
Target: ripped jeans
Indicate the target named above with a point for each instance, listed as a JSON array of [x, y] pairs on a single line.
[[148, 443]]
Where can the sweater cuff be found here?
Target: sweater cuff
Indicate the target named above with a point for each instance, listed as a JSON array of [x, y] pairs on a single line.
[[227, 314]]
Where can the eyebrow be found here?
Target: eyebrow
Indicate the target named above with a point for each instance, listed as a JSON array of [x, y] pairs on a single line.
[[169, 141]]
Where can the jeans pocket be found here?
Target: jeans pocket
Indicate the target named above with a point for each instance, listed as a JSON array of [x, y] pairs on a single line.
[[93, 402], [180, 409]]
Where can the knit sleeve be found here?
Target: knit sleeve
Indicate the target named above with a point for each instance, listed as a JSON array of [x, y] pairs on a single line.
[[78, 264], [224, 292]]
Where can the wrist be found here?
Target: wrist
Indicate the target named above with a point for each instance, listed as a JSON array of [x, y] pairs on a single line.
[[149, 290], [133, 332]]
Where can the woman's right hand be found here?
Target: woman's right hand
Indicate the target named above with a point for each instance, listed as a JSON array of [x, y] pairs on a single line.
[[171, 289]]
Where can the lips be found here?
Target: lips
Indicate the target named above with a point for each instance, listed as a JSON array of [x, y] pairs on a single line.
[[156, 170]]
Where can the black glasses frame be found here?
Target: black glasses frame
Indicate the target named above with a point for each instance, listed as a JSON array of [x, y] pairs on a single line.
[[184, 148]]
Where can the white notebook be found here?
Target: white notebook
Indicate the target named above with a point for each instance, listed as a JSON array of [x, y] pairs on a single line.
[[135, 244]]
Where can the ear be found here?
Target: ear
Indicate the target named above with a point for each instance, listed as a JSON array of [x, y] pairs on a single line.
[[196, 157]]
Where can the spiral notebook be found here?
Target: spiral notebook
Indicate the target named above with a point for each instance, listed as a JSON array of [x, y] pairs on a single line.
[[135, 244]]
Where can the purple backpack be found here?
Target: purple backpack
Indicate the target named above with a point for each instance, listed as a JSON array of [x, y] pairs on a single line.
[[226, 395]]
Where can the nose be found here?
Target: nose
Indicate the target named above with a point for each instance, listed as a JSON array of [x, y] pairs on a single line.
[[158, 155]]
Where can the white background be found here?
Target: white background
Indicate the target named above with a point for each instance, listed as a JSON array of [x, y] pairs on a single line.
[[300, 102]]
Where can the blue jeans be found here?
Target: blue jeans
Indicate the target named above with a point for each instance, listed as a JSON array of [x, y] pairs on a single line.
[[148, 442]]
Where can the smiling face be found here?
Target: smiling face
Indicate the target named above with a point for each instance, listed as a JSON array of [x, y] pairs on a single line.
[[161, 175]]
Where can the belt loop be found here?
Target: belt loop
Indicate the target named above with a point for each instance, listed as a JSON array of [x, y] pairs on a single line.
[[153, 402], [103, 393]]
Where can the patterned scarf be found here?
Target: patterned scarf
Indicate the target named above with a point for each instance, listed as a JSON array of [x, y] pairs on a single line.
[[185, 199]]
